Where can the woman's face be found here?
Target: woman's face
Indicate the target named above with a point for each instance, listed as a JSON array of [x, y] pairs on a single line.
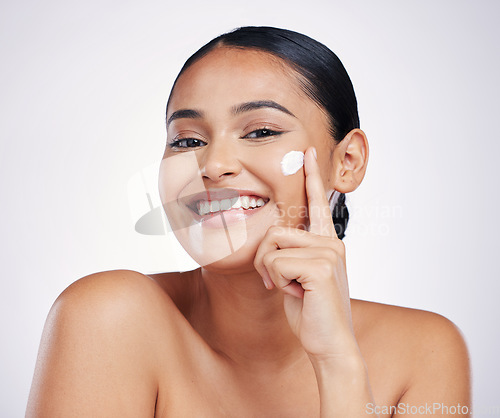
[[232, 117]]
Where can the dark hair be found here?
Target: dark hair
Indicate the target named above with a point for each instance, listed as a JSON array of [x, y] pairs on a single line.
[[324, 79]]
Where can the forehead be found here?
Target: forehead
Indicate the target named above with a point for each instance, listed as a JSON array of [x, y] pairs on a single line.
[[230, 75]]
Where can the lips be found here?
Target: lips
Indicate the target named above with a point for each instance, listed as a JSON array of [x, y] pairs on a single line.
[[215, 201]]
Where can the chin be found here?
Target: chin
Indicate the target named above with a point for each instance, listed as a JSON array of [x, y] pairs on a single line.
[[236, 263], [216, 253]]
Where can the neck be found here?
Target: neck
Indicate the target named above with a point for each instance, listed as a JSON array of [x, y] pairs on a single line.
[[243, 321]]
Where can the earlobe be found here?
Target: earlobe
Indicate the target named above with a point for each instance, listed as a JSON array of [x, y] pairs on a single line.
[[350, 161]]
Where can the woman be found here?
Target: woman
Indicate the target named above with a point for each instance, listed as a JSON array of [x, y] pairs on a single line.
[[265, 327]]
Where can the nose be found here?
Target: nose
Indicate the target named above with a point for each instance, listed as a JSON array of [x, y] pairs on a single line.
[[219, 161]]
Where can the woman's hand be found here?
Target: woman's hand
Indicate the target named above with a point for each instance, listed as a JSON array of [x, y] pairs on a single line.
[[310, 268]]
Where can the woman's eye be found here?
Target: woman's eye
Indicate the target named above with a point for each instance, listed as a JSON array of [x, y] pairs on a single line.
[[187, 143], [261, 133]]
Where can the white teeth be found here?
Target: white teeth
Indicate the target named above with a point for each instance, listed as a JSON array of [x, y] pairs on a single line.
[[236, 203], [203, 208], [225, 204], [245, 202], [214, 206]]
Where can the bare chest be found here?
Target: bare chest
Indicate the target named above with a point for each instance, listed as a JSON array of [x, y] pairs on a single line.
[[203, 387], [200, 386], [193, 381]]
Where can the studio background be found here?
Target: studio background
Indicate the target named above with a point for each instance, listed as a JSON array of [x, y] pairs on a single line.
[[83, 93]]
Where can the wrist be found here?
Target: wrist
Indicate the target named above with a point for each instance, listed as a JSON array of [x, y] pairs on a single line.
[[344, 386], [345, 359], [340, 368]]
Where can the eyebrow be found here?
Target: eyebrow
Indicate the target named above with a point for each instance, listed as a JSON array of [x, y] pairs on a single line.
[[241, 108], [258, 104], [184, 114]]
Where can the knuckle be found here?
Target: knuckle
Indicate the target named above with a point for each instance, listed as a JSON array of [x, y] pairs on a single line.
[[268, 259], [275, 264], [274, 231], [277, 261], [257, 262], [340, 247], [330, 254], [326, 267]]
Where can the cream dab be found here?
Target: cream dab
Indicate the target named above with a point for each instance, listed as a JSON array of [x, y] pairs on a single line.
[[292, 162]]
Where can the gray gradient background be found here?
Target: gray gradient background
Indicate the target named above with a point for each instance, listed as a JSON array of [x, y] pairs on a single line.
[[83, 90]]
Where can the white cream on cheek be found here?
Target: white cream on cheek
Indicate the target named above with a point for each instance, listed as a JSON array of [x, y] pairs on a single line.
[[292, 162]]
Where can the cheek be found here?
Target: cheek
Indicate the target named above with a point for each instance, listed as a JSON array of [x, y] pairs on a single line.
[[287, 192], [291, 199], [176, 172], [179, 176]]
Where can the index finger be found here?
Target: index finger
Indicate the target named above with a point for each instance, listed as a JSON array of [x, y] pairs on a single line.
[[320, 218]]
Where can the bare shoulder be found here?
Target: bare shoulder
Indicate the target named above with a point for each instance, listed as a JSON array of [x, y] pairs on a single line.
[[127, 304], [101, 342], [125, 300], [112, 289], [421, 330], [425, 350]]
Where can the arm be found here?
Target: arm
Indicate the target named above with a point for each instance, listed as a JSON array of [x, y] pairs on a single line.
[[344, 388], [94, 359]]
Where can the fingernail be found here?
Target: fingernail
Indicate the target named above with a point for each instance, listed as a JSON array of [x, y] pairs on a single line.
[[315, 153], [267, 283]]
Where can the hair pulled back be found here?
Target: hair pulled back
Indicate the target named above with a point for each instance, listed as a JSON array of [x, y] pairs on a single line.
[[323, 79]]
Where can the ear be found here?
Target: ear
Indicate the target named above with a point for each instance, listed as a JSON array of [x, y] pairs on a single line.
[[350, 159]]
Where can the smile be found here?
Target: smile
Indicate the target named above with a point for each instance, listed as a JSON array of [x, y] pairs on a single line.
[[215, 201], [205, 207]]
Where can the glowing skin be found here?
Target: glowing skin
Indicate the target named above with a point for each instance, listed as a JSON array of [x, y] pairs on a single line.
[[292, 162], [187, 225], [225, 145]]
